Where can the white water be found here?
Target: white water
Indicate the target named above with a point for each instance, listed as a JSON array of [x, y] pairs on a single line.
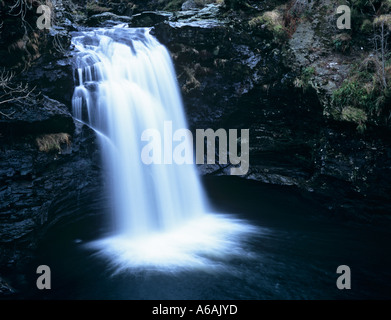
[[126, 84]]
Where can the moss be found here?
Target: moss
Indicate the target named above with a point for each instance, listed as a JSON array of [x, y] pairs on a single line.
[[172, 5], [355, 115], [94, 8], [354, 101], [52, 142], [365, 88], [272, 21], [383, 19], [304, 81], [342, 42], [256, 21], [352, 93], [362, 10], [367, 26], [385, 6]]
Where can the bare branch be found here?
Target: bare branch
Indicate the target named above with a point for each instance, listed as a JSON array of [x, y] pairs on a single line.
[[12, 92], [18, 98]]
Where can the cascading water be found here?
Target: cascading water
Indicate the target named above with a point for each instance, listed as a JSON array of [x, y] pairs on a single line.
[[126, 84], [130, 88]]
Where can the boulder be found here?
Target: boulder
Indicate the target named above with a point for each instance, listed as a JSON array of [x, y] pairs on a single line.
[[107, 19], [149, 19], [189, 5], [38, 114]]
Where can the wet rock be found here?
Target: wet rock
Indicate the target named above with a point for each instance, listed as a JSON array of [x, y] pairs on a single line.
[[301, 41], [16, 230], [5, 288], [52, 77], [38, 189], [107, 19], [312, 46], [232, 78], [189, 5], [342, 42], [149, 19], [38, 115]]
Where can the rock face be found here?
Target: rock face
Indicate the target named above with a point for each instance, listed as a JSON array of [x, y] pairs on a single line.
[[5, 288], [189, 5], [235, 77], [38, 186], [40, 116], [311, 46], [232, 77], [107, 19]]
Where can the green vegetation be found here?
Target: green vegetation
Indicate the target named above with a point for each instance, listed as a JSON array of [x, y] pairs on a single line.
[[363, 94], [355, 115], [352, 93], [272, 21], [304, 81], [52, 142], [366, 26], [365, 11], [352, 101], [94, 8], [342, 42]]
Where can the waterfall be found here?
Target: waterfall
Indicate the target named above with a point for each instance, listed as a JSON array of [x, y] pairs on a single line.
[[126, 84]]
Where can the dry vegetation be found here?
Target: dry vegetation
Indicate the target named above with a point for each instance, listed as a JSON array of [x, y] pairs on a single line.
[[53, 142]]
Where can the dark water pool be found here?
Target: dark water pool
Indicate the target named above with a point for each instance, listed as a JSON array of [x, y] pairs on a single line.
[[296, 258]]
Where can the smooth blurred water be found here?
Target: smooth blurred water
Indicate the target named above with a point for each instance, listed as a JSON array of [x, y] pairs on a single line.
[[126, 85]]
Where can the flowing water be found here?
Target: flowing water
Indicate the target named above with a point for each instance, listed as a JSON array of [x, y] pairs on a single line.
[[126, 85]]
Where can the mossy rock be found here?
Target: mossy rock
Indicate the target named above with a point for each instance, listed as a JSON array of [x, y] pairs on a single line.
[[173, 5], [106, 17], [367, 26], [93, 8], [149, 18], [342, 42], [271, 21], [355, 115]]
